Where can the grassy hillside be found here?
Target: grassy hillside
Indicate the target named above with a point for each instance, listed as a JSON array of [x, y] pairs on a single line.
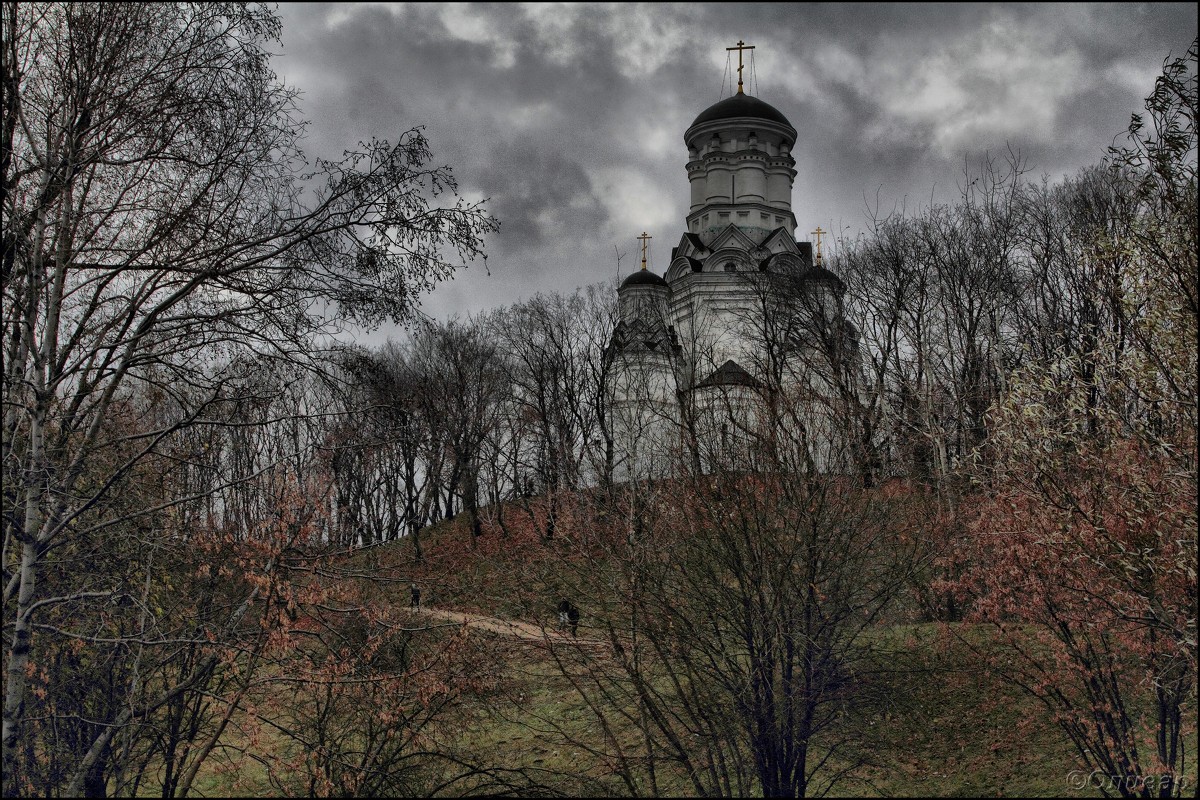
[[944, 727], [950, 729]]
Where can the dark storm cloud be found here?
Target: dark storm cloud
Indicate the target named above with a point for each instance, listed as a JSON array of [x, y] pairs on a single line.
[[571, 117], [538, 194]]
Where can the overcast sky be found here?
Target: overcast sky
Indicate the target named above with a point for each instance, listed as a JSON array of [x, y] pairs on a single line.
[[570, 118]]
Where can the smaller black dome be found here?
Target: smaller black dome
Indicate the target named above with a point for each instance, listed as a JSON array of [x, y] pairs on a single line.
[[643, 277], [741, 105], [819, 274]]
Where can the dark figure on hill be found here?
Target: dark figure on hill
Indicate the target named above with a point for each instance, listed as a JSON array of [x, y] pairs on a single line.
[[573, 619], [564, 613], [415, 591]]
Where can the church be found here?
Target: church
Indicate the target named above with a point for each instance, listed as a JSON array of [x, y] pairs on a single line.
[[737, 356]]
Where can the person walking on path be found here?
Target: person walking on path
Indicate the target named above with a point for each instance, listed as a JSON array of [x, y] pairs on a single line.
[[415, 591], [573, 619], [564, 610]]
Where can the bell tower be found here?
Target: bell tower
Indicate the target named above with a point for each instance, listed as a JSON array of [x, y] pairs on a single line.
[[741, 169]]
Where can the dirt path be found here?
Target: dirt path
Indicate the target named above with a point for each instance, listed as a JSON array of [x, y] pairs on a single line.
[[520, 630]]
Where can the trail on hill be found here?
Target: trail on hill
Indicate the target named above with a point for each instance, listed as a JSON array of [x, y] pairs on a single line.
[[520, 630]]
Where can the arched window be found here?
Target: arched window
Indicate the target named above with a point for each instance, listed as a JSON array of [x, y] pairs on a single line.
[[730, 266]]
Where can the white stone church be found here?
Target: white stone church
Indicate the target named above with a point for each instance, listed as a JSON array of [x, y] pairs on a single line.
[[731, 346]]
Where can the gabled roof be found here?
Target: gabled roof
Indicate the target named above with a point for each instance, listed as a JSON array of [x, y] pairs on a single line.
[[729, 374], [781, 238], [690, 244], [694, 239], [732, 236]]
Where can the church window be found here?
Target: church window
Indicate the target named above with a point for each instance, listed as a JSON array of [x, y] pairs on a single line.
[[730, 266]]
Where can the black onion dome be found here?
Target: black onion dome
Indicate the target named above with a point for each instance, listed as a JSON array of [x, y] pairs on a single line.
[[741, 105], [821, 274], [643, 277]]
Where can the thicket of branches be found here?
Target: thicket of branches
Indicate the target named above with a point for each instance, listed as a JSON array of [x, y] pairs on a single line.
[[1013, 405], [170, 266]]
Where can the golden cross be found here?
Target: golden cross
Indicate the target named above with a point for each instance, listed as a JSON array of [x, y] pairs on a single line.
[[740, 47], [819, 233], [643, 239]]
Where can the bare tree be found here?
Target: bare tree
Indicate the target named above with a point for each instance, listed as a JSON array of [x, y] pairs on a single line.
[[1089, 505], [555, 346], [739, 615], [160, 227], [463, 380]]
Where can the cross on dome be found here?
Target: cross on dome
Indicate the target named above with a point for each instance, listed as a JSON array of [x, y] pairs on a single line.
[[740, 47], [643, 239], [819, 233]]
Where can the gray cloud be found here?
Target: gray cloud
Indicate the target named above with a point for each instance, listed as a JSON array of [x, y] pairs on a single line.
[[571, 118], [539, 194]]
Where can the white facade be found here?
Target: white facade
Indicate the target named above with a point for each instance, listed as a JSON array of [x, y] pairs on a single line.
[[704, 355]]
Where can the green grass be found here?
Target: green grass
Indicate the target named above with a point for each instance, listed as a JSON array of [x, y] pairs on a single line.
[[946, 728], [949, 728], [951, 731], [948, 732], [937, 738]]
